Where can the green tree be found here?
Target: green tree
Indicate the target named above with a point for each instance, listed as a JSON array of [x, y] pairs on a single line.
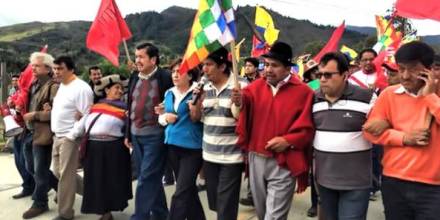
[[370, 42], [107, 69], [313, 47]]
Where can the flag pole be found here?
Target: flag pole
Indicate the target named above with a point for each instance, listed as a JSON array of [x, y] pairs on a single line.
[[234, 64], [126, 51], [239, 44]]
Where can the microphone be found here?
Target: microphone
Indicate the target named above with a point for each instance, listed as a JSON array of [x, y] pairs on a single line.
[[200, 85]]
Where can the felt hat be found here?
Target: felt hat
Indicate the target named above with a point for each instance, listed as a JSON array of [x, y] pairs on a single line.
[[280, 51], [108, 81]]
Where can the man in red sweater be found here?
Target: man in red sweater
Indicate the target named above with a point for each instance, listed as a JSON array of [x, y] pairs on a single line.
[[411, 161], [275, 126]]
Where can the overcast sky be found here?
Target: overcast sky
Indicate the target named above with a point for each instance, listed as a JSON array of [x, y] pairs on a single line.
[[355, 12]]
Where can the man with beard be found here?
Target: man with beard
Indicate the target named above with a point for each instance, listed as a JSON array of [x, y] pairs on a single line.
[[94, 75]]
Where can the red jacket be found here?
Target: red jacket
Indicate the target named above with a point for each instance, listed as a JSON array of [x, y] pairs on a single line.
[[287, 114]]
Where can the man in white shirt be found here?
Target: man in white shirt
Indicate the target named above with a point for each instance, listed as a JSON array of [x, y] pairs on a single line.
[[367, 76], [74, 95]]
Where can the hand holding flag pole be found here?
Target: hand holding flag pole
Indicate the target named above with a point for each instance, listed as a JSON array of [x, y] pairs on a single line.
[[130, 64], [234, 64]]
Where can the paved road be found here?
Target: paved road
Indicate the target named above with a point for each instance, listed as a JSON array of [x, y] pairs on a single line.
[[11, 209]]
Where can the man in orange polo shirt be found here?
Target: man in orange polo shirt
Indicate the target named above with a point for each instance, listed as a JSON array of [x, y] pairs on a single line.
[[411, 174]]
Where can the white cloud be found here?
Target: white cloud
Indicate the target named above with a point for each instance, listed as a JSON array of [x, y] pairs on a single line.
[[355, 12]]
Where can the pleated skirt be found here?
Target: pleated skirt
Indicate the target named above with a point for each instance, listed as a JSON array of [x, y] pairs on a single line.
[[107, 177]]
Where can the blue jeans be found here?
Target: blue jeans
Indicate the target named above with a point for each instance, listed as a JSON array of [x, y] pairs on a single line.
[[38, 159], [150, 156], [344, 204], [28, 181]]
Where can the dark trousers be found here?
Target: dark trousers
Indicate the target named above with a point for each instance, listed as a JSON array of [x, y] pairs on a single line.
[[28, 180], [313, 193], [405, 200], [185, 203], [223, 188], [150, 154], [38, 159], [377, 155], [169, 173], [344, 204]]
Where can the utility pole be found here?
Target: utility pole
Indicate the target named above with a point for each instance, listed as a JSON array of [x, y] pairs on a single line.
[[4, 81]]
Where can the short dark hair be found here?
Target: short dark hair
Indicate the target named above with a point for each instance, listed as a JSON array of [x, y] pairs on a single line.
[[415, 51], [174, 63], [194, 72], [94, 68], [367, 50], [349, 59], [67, 60], [255, 62], [151, 50], [220, 56], [340, 59], [15, 76]]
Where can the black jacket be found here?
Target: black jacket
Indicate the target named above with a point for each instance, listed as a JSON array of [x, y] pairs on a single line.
[[164, 82]]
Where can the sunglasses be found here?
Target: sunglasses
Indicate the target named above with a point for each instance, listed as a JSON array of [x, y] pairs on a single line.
[[327, 75]]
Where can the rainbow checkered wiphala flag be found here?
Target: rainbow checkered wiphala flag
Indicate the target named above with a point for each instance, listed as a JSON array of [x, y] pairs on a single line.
[[213, 28], [387, 35]]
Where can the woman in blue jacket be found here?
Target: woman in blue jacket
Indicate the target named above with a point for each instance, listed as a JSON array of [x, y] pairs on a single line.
[[184, 138]]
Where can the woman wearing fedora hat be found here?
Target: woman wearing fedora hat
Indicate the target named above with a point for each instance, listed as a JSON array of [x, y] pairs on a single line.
[[107, 171]]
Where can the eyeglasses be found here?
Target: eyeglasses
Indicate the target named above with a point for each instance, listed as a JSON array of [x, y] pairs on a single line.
[[367, 60], [327, 75]]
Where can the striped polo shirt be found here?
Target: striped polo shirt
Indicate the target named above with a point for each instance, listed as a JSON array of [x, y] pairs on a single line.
[[342, 154], [219, 137]]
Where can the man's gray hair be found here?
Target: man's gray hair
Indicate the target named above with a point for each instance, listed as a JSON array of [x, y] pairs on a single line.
[[45, 57]]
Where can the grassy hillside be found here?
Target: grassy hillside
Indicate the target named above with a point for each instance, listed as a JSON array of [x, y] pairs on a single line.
[[168, 29], [12, 33]]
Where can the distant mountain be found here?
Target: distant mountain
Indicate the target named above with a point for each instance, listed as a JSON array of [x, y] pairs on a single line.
[[432, 39], [172, 28], [371, 31], [169, 29]]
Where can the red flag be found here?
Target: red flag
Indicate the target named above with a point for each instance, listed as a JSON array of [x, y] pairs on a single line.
[[421, 9], [20, 98], [107, 31], [381, 80], [332, 44], [258, 48]]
